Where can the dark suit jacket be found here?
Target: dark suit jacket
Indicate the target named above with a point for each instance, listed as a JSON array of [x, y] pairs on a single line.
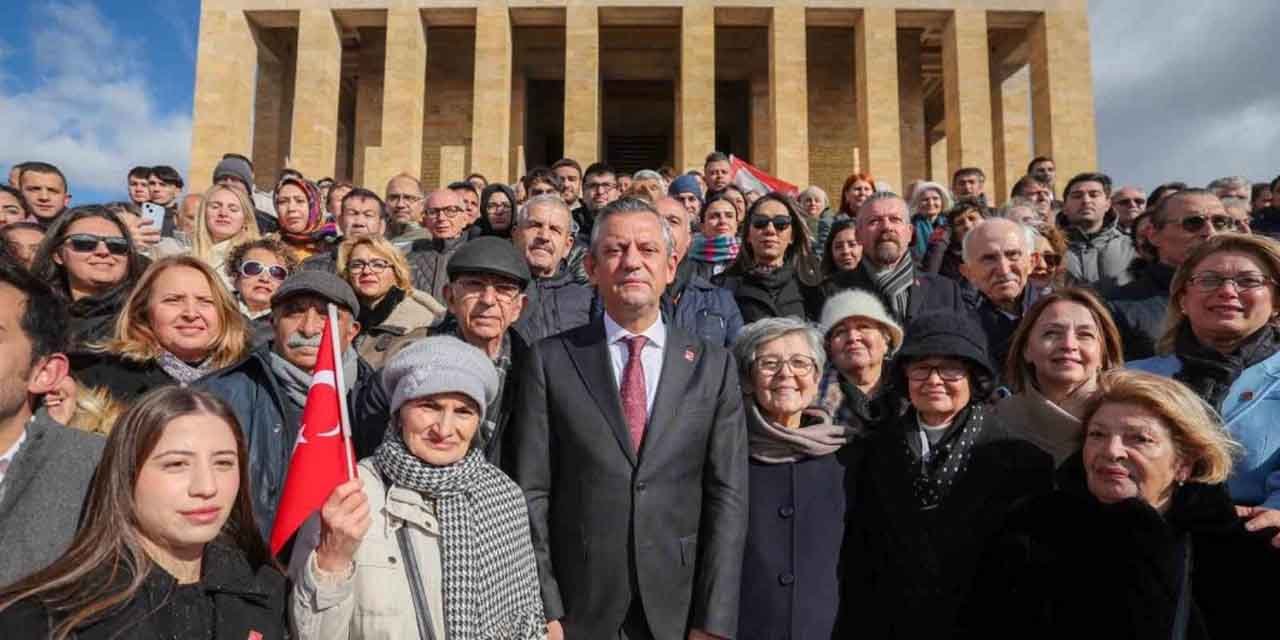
[[930, 292], [671, 521]]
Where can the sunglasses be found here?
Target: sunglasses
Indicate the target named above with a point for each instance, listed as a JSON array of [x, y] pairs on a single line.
[[253, 269], [1193, 224], [781, 223], [1136, 202], [1051, 260], [88, 243]]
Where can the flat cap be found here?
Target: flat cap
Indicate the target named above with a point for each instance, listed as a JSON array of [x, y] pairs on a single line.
[[321, 284], [492, 255]]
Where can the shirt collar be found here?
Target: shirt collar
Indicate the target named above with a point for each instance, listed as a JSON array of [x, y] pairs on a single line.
[[8, 456], [656, 333]]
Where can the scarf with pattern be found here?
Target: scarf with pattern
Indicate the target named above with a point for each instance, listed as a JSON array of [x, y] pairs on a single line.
[[716, 249], [490, 576], [893, 284]]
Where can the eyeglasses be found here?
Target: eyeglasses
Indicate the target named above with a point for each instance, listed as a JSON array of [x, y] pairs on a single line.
[[376, 265], [448, 212], [253, 269], [88, 243], [471, 288], [1193, 224], [781, 223], [772, 365], [948, 373], [1132, 202], [600, 186], [1207, 282]]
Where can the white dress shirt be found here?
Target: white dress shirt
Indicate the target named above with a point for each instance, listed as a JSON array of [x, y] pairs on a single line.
[[6, 457], [650, 356]]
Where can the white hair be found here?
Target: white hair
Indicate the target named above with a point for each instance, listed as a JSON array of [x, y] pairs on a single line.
[[1028, 235], [552, 200]]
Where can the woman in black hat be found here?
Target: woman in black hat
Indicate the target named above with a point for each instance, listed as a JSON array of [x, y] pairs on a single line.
[[936, 485]]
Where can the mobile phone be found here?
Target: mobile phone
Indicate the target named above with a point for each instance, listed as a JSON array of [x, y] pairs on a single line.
[[155, 213]]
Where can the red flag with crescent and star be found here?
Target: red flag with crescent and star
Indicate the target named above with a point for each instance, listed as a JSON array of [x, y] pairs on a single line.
[[322, 457]]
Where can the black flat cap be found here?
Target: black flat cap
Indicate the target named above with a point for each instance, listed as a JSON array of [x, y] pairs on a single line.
[[491, 255], [321, 284]]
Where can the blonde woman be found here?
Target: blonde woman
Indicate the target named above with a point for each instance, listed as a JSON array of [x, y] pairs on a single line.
[[1139, 540], [225, 219], [392, 312], [178, 325]]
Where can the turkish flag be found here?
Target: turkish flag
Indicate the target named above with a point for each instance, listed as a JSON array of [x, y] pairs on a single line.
[[322, 457], [749, 177]]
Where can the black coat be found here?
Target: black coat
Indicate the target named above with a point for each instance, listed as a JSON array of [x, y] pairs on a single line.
[[1139, 309], [240, 598], [775, 295], [1067, 566], [910, 569], [930, 292], [795, 534], [555, 304], [664, 528], [124, 379], [93, 319]]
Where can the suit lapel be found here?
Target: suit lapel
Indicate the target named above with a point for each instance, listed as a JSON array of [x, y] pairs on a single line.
[[679, 358], [591, 358], [24, 466]]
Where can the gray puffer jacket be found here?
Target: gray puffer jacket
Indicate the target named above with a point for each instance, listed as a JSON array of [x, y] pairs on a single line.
[[1100, 260]]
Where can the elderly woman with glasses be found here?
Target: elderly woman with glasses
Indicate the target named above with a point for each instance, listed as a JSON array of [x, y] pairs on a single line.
[[392, 312], [936, 485], [775, 272], [257, 269], [801, 461], [1139, 540], [1223, 342]]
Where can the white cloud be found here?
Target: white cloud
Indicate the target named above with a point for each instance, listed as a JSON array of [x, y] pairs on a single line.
[[89, 108]]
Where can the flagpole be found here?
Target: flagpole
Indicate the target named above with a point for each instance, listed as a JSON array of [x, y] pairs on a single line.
[[342, 390]]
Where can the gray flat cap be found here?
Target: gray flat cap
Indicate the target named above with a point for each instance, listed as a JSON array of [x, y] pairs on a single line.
[[321, 284]]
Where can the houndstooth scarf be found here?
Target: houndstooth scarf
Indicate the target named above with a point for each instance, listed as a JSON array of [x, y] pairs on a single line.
[[490, 577]]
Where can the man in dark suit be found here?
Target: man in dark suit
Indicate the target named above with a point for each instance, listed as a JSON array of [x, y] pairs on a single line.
[[887, 270], [631, 448], [45, 468]]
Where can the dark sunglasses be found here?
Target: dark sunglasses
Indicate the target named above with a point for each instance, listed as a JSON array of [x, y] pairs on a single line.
[[1137, 202], [781, 223], [1051, 260], [253, 269], [1193, 224], [88, 243]]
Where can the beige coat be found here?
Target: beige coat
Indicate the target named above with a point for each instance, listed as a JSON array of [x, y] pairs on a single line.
[[374, 602], [1034, 418], [409, 321]]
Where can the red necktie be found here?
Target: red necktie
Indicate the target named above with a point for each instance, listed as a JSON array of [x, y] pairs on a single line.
[[634, 398]]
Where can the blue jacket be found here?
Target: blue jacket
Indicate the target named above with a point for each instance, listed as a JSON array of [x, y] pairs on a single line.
[[270, 424], [922, 230], [707, 311], [1250, 413]]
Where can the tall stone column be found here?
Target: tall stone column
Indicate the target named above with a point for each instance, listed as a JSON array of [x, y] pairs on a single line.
[[582, 82], [369, 89], [403, 99], [876, 76], [966, 78], [1062, 91], [1011, 131], [913, 138], [222, 118], [696, 106], [789, 95], [314, 147], [491, 109]]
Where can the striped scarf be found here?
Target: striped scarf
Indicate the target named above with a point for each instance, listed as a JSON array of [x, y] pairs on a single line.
[[893, 284], [716, 249]]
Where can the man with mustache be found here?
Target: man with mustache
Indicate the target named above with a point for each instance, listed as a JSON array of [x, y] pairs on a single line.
[[268, 389], [485, 295], [887, 270], [997, 260], [1098, 252], [543, 235]]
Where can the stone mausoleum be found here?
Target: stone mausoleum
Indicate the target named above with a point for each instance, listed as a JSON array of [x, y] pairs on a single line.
[[807, 90]]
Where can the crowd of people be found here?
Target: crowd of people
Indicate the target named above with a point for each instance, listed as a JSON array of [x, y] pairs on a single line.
[[597, 405]]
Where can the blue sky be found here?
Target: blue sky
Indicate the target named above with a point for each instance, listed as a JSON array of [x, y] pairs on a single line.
[[1184, 89]]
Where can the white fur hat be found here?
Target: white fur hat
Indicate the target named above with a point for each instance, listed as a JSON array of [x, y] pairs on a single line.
[[863, 304]]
